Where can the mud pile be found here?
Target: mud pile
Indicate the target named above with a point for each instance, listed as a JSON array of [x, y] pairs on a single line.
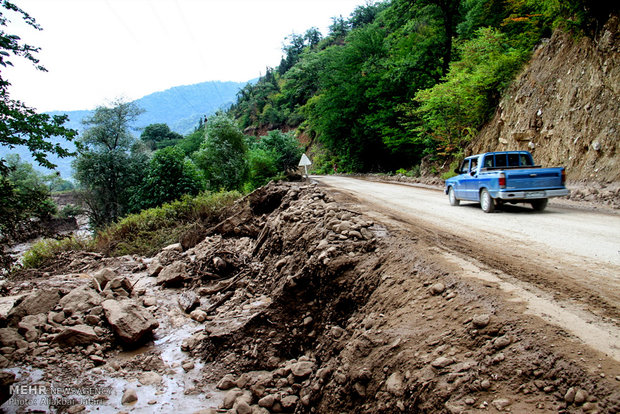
[[294, 303]]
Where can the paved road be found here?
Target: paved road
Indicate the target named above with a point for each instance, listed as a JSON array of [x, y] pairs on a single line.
[[569, 255]]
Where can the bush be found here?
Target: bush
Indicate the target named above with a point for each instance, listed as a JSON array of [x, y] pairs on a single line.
[[47, 249], [150, 230]]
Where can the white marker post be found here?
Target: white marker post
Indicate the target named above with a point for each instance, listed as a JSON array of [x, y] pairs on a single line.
[[305, 161]]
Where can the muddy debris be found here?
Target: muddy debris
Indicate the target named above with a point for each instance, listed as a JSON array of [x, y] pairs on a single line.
[[293, 303]]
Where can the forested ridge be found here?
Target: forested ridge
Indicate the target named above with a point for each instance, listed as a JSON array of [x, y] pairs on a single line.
[[401, 80]]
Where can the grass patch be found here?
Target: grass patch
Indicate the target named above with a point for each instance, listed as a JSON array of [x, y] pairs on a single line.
[[46, 250], [147, 232]]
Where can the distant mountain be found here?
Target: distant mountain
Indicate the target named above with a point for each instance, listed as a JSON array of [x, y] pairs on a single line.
[[181, 108]]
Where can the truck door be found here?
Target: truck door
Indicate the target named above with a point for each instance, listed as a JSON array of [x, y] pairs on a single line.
[[471, 181], [460, 188]]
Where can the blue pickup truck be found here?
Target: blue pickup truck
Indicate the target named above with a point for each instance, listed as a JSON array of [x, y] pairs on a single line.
[[495, 178]]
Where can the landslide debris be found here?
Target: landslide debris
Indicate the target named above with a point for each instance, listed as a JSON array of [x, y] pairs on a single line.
[[294, 303]]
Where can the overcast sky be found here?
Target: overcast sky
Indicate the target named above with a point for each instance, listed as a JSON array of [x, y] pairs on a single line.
[[99, 50]]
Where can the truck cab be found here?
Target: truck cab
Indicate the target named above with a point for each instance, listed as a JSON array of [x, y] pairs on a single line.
[[494, 178]]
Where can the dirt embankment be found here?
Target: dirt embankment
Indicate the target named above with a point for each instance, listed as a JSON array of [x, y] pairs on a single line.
[[295, 303], [564, 107]]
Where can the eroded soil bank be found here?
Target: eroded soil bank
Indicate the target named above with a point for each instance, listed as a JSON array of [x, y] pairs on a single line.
[[295, 303]]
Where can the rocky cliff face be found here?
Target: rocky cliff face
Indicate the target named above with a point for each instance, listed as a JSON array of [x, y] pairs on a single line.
[[565, 107]]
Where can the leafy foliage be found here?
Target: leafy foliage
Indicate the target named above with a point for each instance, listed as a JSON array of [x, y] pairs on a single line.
[[223, 155], [169, 176], [20, 124], [399, 80], [158, 136], [110, 166]]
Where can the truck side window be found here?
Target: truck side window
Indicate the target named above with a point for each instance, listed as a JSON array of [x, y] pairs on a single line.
[[525, 159], [513, 160], [500, 160], [465, 167], [488, 161], [474, 164]]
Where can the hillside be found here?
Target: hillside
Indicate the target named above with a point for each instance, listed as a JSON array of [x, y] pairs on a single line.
[[564, 107], [180, 108]]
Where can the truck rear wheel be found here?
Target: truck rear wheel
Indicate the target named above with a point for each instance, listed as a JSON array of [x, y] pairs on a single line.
[[486, 201], [452, 197], [539, 205]]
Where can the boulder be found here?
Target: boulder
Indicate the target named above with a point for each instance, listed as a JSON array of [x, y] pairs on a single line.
[[173, 274], [41, 301], [102, 277], [6, 380], [131, 322], [76, 335], [80, 299], [188, 301]]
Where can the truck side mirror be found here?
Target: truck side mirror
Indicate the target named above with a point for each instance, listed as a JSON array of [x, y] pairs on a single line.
[[457, 170]]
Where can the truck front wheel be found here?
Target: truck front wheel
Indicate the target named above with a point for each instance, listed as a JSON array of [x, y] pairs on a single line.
[[486, 201], [452, 197], [539, 205]]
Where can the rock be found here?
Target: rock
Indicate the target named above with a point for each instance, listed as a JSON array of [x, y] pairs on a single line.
[[359, 389], [102, 277], [9, 337], [154, 268], [149, 301], [501, 403], [485, 384], [78, 335], [129, 396], [227, 382], [502, 342], [188, 301], [74, 409], [130, 322], [173, 275], [188, 366], [581, 396], [120, 286], [438, 288], [6, 380], [92, 320], [267, 401], [442, 362], [80, 299], [395, 385], [150, 378], [230, 397], [198, 315], [480, 321], [40, 301], [289, 402], [6, 304], [302, 369], [243, 407], [29, 326], [175, 247]]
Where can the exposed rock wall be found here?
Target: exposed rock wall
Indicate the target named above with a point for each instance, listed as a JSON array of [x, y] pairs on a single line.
[[565, 107]]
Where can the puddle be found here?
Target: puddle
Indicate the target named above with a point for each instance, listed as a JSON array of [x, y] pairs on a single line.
[[596, 334]]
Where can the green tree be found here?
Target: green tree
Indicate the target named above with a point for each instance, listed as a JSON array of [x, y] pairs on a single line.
[[169, 176], [110, 166], [223, 156], [262, 166], [452, 111], [284, 147], [20, 124], [24, 196], [158, 136]]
